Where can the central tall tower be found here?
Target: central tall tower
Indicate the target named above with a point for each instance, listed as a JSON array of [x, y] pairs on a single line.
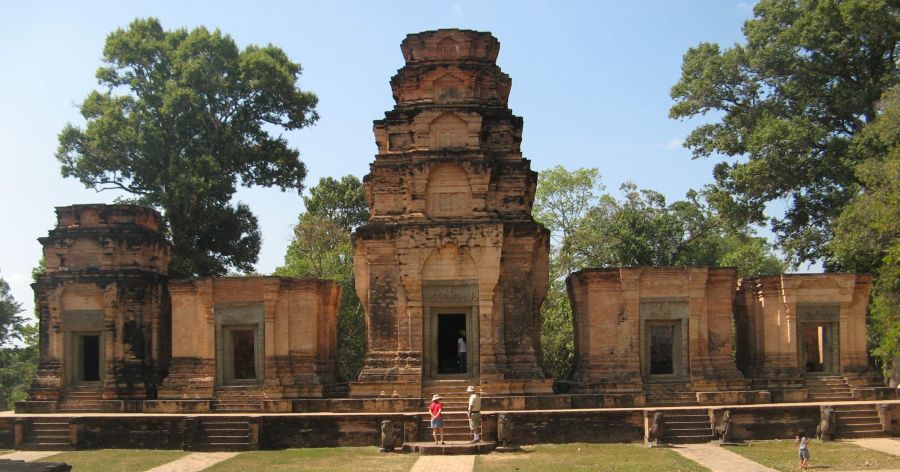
[[451, 254]]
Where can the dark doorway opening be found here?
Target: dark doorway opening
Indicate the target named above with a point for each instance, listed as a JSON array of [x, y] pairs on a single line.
[[244, 354], [90, 358], [662, 353], [451, 327]]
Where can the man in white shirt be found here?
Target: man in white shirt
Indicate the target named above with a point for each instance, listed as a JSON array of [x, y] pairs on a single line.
[[474, 411], [461, 352]]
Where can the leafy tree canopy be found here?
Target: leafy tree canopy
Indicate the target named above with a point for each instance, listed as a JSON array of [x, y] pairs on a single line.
[[867, 234], [183, 117], [788, 104], [11, 323]]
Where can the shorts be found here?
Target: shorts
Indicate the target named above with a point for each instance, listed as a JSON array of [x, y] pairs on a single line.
[[804, 454], [475, 421], [437, 422]]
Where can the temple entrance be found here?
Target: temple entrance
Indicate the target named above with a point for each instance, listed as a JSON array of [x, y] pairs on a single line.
[[662, 349], [818, 338], [664, 343], [819, 348], [241, 354], [451, 340], [444, 327], [85, 352]]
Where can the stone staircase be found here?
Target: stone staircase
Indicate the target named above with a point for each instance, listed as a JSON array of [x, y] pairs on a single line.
[[80, 399], [47, 434], [238, 399], [224, 433], [455, 400], [687, 426], [670, 394], [858, 421], [830, 388]]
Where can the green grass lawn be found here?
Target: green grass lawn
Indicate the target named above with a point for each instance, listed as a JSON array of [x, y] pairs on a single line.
[[344, 459], [782, 455], [581, 456], [116, 460]]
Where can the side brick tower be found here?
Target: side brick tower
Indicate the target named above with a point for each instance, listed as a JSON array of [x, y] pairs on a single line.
[[103, 306], [451, 250]]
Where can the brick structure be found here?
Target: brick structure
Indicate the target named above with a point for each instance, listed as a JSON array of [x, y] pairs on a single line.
[[796, 326], [451, 249], [640, 326], [252, 338], [103, 305]]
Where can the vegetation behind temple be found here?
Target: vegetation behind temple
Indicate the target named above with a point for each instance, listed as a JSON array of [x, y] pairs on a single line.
[[18, 347], [190, 119], [798, 120], [321, 248]]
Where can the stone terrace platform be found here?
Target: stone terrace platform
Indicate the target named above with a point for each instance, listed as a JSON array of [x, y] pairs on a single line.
[[242, 431]]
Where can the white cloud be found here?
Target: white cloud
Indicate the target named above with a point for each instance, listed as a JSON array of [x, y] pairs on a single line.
[[457, 7]]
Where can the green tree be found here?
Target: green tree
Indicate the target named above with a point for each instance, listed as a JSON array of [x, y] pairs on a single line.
[[183, 118], [642, 230], [867, 234], [322, 248], [11, 323], [18, 349], [787, 105]]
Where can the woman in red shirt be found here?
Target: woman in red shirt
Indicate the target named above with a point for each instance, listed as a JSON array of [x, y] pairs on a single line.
[[437, 418]]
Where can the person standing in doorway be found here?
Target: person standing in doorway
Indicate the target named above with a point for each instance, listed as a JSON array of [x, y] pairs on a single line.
[[803, 441], [474, 411], [461, 351], [436, 409]]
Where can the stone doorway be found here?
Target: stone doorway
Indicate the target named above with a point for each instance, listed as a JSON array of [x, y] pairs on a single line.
[[240, 354], [664, 350], [819, 348], [664, 342], [86, 355], [818, 338], [444, 327], [239, 344], [451, 329]]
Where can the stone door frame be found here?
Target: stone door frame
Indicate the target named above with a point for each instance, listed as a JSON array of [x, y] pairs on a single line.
[[666, 311], [449, 297], [241, 316], [76, 324]]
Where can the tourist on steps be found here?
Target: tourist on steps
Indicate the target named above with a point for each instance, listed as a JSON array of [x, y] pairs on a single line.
[[437, 418], [474, 411], [461, 351]]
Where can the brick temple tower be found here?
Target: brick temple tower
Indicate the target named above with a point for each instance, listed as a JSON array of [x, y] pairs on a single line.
[[451, 251], [103, 308]]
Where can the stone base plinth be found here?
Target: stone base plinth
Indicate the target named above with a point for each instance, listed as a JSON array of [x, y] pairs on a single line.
[[190, 378], [517, 387], [734, 397], [177, 406], [368, 389]]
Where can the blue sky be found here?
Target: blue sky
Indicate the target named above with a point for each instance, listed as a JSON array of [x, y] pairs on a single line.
[[591, 80]]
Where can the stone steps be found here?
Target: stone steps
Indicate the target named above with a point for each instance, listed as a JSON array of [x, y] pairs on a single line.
[[670, 394], [687, 427], [828, 388], [450, 448], [223, 434], [858, 421], [80, 400], [47, 435]]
